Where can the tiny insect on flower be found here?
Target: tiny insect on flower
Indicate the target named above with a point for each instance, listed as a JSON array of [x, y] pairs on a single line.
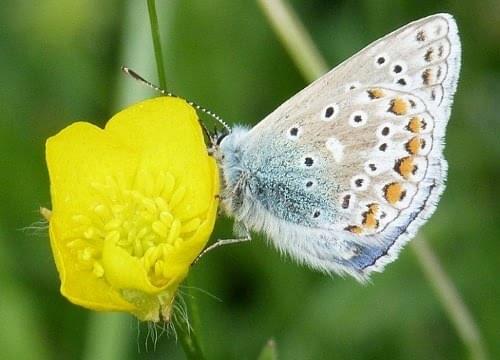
[[132, 207]]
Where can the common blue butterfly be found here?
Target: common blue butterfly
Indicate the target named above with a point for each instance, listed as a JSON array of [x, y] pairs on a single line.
[[342, 175]]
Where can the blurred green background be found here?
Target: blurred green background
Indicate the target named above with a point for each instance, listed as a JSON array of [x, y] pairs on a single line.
[[60, 62]]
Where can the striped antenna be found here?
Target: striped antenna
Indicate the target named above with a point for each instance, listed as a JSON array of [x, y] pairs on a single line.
[[138, 77]]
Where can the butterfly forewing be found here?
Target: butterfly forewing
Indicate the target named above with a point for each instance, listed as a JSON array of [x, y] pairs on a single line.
[[363, 144]]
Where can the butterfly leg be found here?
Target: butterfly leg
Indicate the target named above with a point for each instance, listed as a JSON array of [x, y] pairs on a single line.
[[246, 236]]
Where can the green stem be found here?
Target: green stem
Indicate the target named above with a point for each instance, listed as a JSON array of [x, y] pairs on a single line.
[[450, 298], [312, 65], [186, 333], [192, 305], [108, 336], [155, 33]]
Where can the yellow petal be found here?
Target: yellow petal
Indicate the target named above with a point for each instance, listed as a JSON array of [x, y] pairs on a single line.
[[73, 164], [82, 289], [167, 134]]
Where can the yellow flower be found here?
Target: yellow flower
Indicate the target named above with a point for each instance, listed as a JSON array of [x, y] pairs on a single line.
[[132, 206]]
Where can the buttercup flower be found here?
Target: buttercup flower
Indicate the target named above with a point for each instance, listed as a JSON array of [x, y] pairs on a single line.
[[132, 206]]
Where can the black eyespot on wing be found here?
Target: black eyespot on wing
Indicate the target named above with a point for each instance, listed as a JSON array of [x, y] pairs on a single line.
[[428, 54], [345, 201], [329, 111], [426, 76], [440, 51], [421, 36]]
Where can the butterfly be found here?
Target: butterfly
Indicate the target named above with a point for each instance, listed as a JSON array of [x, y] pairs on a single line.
[[342, 175]]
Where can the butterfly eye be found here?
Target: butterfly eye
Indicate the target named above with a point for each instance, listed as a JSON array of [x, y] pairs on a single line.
[[220, 137]]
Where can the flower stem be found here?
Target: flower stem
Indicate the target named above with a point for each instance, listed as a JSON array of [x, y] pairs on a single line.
[[155, 33], [186, 332], [108, 336], [452, 303], [185, 329], [312, 65]]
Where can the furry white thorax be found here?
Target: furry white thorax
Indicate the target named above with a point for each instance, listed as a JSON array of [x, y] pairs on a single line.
[[228, 156]]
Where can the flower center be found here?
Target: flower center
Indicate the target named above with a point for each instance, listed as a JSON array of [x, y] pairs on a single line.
[[140, 220]]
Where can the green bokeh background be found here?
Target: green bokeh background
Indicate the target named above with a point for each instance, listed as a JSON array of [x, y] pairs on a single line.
[[60, 62]]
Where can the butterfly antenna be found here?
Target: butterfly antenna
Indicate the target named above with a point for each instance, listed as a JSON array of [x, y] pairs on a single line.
[[139, 78]]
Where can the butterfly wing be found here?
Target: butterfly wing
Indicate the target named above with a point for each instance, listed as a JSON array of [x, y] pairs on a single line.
[[355, 160]]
